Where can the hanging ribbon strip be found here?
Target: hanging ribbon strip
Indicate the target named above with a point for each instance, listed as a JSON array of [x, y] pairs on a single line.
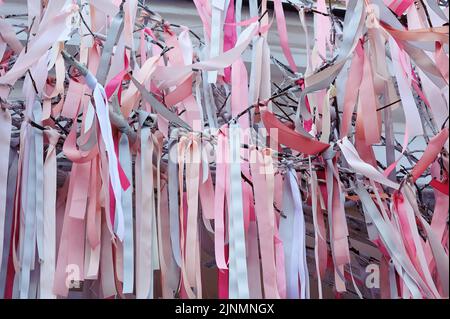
[[293, 234], [5, 139], [140, 159], [237, 256]]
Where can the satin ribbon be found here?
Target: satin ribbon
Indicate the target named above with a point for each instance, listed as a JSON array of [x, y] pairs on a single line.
[[433, 149], [399, 7], [8, 226], [435, 7], [161, 252], [33, 228], [237, 256], [9, 36], [418, 264], [37, 47], [218, 8], [47, 270], [303, 143], [93, 222], [102, 111], [192, 252], [12, 281], [412, 116], [172, 75], [204, 11], [253, 262], [440, 213], [222, 190], [70, 249], [337, 228], [326, 115], [322, 28], [5, 139], [265, 85], [353, 25], [116, 81], [189, 156], [107, 280], [115, 30], [238, 16], [411, 238], [262, 172], [145, 207], [127, 205], [256, 70], [159, 107], [361, 167], [393, 244], [173, 198], [282, 32], [171, 278], [439, 254], [2, 49], [351, 95], [438, 34], [219, 200], [417, 55], [292, 233], [432, 95], [303, 265], [369, 104], [206, 188], [320, 244], [58, 89], [393, 289], [131, 95], [209, 103]]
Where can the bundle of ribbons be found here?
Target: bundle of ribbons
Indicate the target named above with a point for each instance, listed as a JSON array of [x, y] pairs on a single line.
[[142, 159]]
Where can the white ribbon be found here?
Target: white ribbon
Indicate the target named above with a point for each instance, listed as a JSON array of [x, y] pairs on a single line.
[[218, 8], [102, 111], [127, 205], [292, 233], [238, 277], [394, 246]]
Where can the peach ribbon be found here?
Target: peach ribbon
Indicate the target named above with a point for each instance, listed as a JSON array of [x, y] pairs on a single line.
[[189, 157]]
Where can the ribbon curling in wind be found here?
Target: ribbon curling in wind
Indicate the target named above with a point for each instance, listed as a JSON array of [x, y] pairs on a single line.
[[276, 149]]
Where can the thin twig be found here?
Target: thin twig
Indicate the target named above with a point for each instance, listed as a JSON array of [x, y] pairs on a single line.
[[86, 25], [388, 105]]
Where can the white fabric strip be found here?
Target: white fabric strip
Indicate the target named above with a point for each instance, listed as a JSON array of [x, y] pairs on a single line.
[[127, 205], [238, 279]]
